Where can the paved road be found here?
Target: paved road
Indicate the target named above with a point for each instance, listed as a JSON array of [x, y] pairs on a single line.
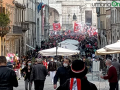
[[101, 84]]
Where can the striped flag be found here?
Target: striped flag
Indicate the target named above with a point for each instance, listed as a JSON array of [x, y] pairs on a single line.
[[40, 6]]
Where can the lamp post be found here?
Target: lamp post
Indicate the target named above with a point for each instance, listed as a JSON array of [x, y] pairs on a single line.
[[56, 47]]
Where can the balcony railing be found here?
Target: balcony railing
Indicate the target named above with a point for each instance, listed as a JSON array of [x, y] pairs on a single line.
[[19, 5], [4, 30], [17, 30]]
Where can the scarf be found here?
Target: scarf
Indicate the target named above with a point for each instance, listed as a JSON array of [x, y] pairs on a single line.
[[75, 84]]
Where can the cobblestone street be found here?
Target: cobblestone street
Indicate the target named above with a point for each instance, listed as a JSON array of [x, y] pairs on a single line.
[[101, 84]]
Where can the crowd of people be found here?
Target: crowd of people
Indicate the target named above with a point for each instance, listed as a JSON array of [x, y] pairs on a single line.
[[70, 74], [88, 43]]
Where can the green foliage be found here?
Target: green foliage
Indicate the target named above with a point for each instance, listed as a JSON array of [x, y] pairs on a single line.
[[4, 19]]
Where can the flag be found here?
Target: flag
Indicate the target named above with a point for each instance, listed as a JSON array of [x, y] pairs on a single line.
[[77, 27], [40, 6], [95, 33], [56, 26]]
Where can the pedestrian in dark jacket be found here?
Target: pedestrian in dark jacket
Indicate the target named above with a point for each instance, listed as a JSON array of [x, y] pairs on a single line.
[[38, 75], [77, 80], [8, 78], [62, 73], [58, 63], [27, 72], [52, 67], [111, 75], [117, 66], [9, 64]]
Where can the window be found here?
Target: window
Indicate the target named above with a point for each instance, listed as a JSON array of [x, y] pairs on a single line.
[[88, 17], [38, 28], [115, 16], [50, 13], [112, 16]]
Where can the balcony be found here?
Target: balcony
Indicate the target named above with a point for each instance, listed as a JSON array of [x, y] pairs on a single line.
[[25, 26], [4, 31], [19, 5], [29, 15], [20, 29]]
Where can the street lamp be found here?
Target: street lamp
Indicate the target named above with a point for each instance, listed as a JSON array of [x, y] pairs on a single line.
[[56, 47]]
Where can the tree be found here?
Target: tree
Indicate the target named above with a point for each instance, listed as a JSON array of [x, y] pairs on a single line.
[[4, 20]]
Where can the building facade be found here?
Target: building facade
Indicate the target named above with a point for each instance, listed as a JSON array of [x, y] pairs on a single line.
[[65, 11], [109, 29], [8, 8], [15, 39], [28, 27]]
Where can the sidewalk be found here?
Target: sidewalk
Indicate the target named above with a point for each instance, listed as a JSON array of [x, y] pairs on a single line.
[[100, 84]]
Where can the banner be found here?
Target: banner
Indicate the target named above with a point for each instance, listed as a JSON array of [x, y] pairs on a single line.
[[56, 26], [77, 27]]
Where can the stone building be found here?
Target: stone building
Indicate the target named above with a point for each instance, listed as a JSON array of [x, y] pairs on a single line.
[[64, 11], [109, 29], [6, 6], [14, 39]]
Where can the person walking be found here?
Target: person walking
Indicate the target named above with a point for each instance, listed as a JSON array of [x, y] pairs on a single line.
[[23, 64], [38, 75], [78, 80], [62, 73], [52, 68], [111, 75], [27, 72], [18, 66], [9, 64], [35, 63], [58, 63], [117, 66], [45, 63], [8, 78]]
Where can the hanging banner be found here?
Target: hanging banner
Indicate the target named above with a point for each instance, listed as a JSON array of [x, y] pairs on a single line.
[[56, 26], [77, 27]]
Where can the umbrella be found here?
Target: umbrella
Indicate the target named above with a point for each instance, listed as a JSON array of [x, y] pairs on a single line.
[[60, 51], [103, 51], [70, 41], [69, 46], [113, 47]]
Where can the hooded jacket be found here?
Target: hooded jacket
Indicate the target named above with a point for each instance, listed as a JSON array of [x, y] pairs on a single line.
[[85, 85]]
